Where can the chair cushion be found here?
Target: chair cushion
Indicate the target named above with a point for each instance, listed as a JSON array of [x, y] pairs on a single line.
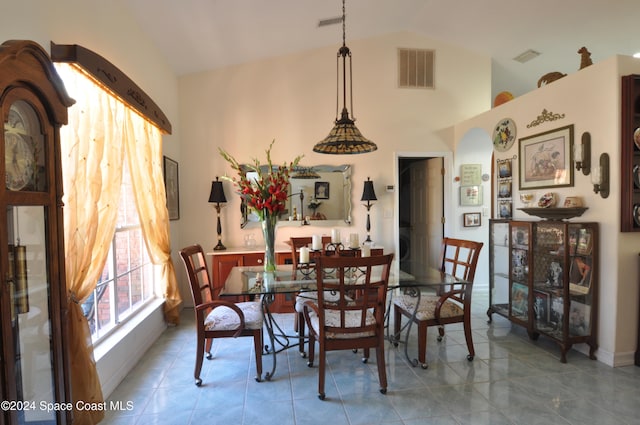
[[329, 296], [332, 318], [225, 319], [427, 307]]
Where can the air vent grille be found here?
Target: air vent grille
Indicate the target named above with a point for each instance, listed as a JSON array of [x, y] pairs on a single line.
[[416, 68]]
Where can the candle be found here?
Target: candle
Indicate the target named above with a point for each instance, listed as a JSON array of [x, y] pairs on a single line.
[[353, 241], [316, 243], [335, 236], [366, 250], [304, 255]]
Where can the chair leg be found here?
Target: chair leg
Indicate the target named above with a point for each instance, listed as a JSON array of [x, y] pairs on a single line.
[[257, 346], [469, 339], [422, 344], [299, 318], [365, 355], [322, 362], [208, 345], [440, 332], [382, 371], [397, 322], [198, 365], [312, 349]]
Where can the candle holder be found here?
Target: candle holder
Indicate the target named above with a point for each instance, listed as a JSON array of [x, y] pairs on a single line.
[[306, 269]]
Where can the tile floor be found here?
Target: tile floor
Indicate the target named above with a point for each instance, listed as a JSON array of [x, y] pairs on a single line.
[[512, 380]]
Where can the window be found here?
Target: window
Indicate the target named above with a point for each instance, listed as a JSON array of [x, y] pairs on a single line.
[[127, 281]]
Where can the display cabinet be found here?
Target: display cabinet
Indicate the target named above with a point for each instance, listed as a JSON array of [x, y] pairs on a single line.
[[544, 276], [33, 296], [630, 154]]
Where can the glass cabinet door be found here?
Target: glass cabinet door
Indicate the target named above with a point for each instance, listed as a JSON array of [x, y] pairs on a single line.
[[548, 279], [520, 246], [499, 268], [581, 260], [30, 315]]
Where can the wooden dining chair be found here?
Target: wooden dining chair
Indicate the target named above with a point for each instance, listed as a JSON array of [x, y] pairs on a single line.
[[355, 317], [452, 304], [218, 318], [298, 322]]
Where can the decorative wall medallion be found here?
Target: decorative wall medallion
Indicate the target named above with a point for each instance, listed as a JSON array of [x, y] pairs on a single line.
[[504, 135], [545, 116]]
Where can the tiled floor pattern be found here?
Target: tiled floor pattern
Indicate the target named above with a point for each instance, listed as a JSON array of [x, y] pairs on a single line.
[[512, 380]]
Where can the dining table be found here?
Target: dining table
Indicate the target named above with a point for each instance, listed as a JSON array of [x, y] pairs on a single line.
[[261, 286]]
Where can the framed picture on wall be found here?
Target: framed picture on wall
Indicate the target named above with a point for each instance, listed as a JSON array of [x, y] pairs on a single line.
[[171, 187], [545, 159], [321, 190], [471, 219], [470, 195]]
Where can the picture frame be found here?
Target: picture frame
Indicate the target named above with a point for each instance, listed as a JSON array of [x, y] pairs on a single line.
[[504, 189], [471, 219], [172, 187], [546, 159], [470, 195], [580, 275], [520, 301], [579, 319], [541, 307], [504, 168], [321, 190], [505, 208]]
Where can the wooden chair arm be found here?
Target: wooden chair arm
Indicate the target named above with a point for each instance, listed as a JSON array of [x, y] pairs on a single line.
[[306, 307]]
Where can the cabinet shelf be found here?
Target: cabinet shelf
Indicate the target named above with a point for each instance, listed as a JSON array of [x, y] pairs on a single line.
[[546, 291]]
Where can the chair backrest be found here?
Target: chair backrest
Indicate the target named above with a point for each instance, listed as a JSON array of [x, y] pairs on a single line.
[[298, 242], [349, 287], [198, 274], [460, 257]]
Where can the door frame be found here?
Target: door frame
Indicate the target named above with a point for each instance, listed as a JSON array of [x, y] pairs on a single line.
[[447, 182]]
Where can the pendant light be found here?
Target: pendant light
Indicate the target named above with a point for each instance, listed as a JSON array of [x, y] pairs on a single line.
[[344, 138]]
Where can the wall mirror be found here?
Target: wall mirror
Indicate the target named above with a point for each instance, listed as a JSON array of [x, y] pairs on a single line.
[[319, 195]]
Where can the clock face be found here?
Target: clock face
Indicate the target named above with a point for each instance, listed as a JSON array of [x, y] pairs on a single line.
[[18, 160]]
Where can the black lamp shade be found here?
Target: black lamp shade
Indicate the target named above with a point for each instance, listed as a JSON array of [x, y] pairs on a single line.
[[368, 194], [217, 192]]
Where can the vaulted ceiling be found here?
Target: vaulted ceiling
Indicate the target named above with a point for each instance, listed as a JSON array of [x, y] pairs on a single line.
[[198, 35]]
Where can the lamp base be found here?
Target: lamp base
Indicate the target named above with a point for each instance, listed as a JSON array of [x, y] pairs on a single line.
[[219, 247]]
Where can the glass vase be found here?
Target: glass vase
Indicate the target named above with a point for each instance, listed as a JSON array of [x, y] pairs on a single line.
[[269, 233]]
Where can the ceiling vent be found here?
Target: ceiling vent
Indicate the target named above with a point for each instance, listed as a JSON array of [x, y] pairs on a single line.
[[526, 56], [416, 68]]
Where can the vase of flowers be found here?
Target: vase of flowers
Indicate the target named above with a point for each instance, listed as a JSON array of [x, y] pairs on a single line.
[[266, 195]]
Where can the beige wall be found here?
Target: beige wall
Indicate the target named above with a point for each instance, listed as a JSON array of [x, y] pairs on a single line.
[[292, 99], [590, 100]]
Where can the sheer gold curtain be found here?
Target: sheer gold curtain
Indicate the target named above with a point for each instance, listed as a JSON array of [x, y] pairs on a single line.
[[93, 149], [92, 157], [143, 143]]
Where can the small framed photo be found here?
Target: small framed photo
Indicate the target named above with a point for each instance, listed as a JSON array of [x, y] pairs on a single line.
[[504, 168], [171, 187], [580, 275], [504, 209], [504, 189], [321, 190], [471, 219]]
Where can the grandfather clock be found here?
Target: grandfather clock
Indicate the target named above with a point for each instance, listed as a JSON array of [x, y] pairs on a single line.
[[33, 300]]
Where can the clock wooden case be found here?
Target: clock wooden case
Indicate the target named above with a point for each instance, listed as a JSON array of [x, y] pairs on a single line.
[[33, 296]]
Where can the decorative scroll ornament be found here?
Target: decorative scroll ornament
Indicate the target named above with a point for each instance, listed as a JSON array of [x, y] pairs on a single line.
[[545, 116]]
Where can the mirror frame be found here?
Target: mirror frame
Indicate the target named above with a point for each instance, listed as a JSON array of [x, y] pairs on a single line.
[[344, 169]]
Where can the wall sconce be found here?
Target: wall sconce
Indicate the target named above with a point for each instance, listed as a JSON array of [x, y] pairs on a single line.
[[368, 194], [217, 196], [582, 154], [600, 176]]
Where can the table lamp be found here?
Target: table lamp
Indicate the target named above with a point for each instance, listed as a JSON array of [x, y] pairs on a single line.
[[217, 196], [368, 194]]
